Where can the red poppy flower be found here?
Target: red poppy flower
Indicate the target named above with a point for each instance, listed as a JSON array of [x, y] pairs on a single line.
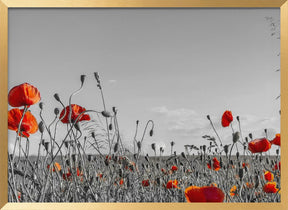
[[276, 140], [270, 187], [172, 184], [76, 111], [216, 164], [208, 166], [23, 95], [268, 176], [28, 126], [121, 182], [276, 166], [67, 176], [145, 183], [259, 145], [204, 194], [233, 191], [57, 167], [174, 168], [227, 118]]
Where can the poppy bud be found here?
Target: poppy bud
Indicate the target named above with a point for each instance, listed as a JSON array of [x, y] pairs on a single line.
[[245, 147], [82, 79], [183, 155], [139, 145], [151, 132], [89, 158], [137, 122], [172, 143], [106, 161], [56, 111], [277, 151], [114, 110], [153, 146], [74, 157], [106, 114], [157, 166], [158, 181], [221, 162], [135, 156], [241, 173], [176, 161], [143, 165], [147, 158], [77, 126], [236, 137], [110, 126], [256, 181], [226, 148], [116, 147], [174, 153], [56, 96], [237, 155], [204, 148], [66, 143], [93, 135], [208, 117], [41, 127], [96, 75], [231, 162], [46, 146], [246, 139], [67, 162], [41, 104], [250, 135], [238, 118]]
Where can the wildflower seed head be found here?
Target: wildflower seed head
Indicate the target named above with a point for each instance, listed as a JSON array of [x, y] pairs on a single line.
[[41, 127]]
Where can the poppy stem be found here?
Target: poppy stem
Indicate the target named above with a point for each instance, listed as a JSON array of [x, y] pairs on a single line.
[[211, 123]]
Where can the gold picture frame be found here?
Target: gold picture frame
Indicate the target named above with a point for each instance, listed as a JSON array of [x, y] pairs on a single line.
[[5, 5]]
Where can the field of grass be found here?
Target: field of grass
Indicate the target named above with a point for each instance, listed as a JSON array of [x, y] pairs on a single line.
[[241, 171]]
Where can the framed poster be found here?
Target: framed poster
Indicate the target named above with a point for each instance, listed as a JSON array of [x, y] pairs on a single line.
[[145, 104]]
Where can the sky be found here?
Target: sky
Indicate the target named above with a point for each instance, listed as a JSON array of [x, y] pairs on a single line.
[[172, 66]]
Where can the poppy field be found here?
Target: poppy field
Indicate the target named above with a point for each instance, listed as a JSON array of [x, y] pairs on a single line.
[[90, 163]]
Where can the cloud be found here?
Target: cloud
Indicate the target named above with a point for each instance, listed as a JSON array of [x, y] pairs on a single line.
[[112, 81], [184, 121]]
